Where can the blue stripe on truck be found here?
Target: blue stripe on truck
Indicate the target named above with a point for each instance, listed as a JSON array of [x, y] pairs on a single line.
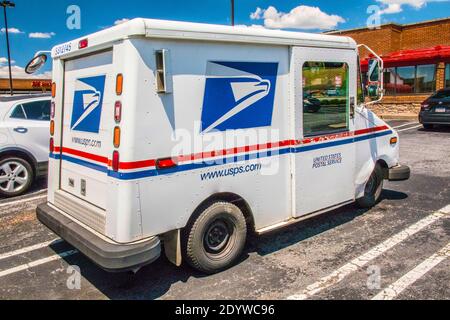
[[225, 161]]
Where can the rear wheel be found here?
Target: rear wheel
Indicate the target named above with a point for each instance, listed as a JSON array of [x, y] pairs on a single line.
[[16, 177], [216, 239], [428, 126], [373, 189]]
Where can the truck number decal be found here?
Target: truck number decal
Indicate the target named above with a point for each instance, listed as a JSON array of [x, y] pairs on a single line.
[[62, 49]]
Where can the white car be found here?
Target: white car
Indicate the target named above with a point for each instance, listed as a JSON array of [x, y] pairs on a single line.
[[24, 138]]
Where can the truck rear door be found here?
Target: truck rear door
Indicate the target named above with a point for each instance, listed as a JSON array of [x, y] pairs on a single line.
[[87, 126]]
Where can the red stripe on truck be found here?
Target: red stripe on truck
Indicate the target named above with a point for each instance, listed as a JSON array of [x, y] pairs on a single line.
[[226, 152]]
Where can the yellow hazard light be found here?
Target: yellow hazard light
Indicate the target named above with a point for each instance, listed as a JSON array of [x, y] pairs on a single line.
[[119, 84], [52, 128], [116, 137], [394, 141]]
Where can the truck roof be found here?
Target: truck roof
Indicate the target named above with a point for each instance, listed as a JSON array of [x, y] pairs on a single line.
[[165, 29]]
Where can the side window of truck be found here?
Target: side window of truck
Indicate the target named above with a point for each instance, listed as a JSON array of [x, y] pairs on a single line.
[[325, 98]]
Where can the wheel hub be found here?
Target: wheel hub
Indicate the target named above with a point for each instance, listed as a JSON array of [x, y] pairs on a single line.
[[217, 237], [13, 177]]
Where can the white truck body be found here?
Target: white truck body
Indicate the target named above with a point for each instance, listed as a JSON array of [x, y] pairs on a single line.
[[220, 82]]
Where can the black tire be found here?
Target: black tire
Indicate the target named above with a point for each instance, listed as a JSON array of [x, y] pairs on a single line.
[[373, 189], [216, 239], [27, 175], [428, 126]]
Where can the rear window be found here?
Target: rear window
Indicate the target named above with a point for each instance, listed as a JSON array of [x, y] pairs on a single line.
[[445, 94]]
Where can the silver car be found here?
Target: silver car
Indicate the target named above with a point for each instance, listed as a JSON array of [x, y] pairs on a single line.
[[24, 142]]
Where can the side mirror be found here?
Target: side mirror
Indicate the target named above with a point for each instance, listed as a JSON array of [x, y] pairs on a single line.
[[374, 88], [36, 63], [374, 74]]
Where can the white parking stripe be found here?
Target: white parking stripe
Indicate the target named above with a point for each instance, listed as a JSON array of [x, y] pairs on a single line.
[[8, 204], [37, 263], [341, 273], [446, 209], [416, 127], [405, 125], [411, 277], [29, 249]]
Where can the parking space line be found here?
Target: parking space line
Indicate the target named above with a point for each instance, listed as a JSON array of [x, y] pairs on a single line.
[[416, 127], [7, 204], [411, 277], [340, 274], [405, 125], [29, 249], [37, 263]]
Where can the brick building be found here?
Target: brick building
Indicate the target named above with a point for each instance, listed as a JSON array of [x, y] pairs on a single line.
[[416, 57]]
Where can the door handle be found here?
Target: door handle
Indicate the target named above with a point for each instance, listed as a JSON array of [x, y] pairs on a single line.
[[352, 107], [21, 130]]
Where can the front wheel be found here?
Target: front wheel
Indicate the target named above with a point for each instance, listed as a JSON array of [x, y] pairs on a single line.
[[428, 126], [373, 189], [16, 177], [216, 239]]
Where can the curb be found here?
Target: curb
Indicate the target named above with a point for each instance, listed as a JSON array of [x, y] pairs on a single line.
[[410, 116]]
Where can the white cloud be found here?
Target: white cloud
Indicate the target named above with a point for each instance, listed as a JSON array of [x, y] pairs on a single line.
[[256, 26], [4, 61], [41, 35], [19, 73], [257, 14], [301, 17], [11, 30], [120, 21], [396, 6]]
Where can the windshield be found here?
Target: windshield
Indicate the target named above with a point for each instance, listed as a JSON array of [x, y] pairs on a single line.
[[444, 94]]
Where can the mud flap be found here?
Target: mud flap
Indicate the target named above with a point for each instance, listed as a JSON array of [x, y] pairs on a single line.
[[172, 247]]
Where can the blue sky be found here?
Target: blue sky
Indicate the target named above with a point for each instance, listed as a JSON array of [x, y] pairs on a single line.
[[39, 25]]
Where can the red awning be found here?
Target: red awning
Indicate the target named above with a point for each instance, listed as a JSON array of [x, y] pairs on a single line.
[[413, 57]]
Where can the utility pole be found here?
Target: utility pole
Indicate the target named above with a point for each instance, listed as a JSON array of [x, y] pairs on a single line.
[[6, 4], [232, 13]]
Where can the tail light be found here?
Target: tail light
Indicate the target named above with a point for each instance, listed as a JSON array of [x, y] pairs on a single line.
[[116, 137], [118, 111], [168, 163], [52, 145], [52, 128], [53, 89], [115, 161], [119, 84], [425, 106], [52, 110]]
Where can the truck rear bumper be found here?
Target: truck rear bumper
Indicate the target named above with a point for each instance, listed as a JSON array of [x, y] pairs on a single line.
[[113, 257], [399, 173]]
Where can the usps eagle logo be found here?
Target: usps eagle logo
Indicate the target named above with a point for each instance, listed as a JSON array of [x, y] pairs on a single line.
[[87, 104], [238, 95]]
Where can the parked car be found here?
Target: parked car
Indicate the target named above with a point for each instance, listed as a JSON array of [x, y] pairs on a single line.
[[436, 109], [24, 138], [310, 104], [334, 92]]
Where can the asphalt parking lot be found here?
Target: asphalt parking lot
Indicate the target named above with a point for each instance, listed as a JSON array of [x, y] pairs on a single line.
[[397, 250]]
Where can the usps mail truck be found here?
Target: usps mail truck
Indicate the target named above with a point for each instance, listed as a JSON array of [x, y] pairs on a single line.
[[184, 138]]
